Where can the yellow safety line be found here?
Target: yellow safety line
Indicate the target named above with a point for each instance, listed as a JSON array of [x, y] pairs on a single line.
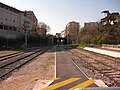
[[83, 85], [60, 84]]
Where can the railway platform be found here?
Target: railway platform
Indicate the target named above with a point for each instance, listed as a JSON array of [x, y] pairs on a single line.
[[104, 51], [68, 75]]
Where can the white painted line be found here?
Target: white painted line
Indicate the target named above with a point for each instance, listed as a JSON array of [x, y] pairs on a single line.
[[100, 83], [40, 84]]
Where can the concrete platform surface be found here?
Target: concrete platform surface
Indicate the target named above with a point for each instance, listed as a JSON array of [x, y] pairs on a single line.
[[102, 51]]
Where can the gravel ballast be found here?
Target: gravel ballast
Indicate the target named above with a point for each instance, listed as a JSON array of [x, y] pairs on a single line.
[[40, 69]]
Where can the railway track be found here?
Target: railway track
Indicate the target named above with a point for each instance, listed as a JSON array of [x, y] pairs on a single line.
[[3, 57], [110, 58], [105, 71], [100, 59], [9, 65], [9, 55]]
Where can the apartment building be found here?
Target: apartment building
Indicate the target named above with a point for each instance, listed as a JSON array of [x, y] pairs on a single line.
[[12, 18], [13, 22], [91, 24], [9, 18], [32, 17], [72, 28]]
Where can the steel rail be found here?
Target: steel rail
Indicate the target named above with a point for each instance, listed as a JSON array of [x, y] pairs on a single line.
[[116, 82], [28, 59]]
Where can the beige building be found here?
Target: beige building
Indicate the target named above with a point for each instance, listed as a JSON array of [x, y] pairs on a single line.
[[72, 28], [91, 25], [9, 18], [72, 31], [13, 20], [32, 17]]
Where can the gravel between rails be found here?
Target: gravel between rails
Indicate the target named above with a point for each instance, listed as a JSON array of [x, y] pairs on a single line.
[[106, 60], [41, 69], [7, 52], [95, 61]]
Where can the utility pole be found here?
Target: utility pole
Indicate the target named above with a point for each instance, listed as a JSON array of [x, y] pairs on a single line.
[[52, 40], [25, 36], [25, 39], [7, 39]]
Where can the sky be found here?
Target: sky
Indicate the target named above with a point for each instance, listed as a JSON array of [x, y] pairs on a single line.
[[57, 13]]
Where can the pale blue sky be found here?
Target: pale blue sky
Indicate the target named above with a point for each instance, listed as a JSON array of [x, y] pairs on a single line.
[[57, 13]]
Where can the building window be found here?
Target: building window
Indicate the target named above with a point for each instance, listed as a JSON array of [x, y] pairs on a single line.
[[6, 19], [2, 22], [10, 9], [2, 6], [14, 11], [5, 27], [14, 28], [13, 20], [6, 8], [1, 26], [10, 28]]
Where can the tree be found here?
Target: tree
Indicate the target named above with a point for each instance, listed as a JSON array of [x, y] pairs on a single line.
[[89, 32], [111, 26], [98, 39], [110, 18], [42, 29]]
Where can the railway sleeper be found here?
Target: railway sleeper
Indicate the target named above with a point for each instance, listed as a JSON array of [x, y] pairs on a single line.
[[117, 77], [113, 73], [107, 71]]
